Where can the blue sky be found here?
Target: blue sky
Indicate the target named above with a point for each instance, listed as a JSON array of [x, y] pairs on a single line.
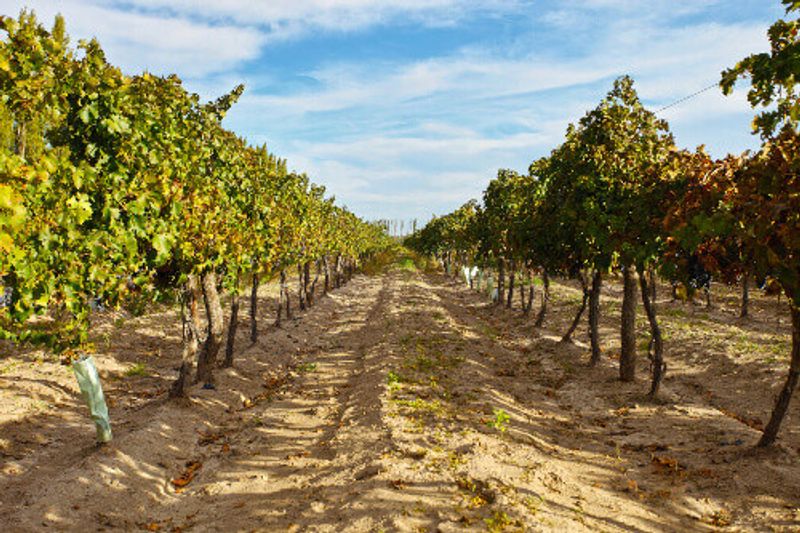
[[405, 108]]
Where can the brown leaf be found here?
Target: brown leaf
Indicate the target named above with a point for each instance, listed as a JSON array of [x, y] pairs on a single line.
[[188, 475], [209, 438]]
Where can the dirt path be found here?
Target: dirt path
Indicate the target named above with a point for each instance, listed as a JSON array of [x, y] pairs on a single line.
[[398, 403]]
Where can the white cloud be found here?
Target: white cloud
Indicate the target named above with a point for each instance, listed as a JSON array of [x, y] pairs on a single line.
[[573, 13], [160, 44], [389, 149], [292, 18], [666, 63], [428, 125], [393, 192]]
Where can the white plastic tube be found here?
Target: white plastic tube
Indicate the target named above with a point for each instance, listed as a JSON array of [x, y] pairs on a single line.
[[92, 391]]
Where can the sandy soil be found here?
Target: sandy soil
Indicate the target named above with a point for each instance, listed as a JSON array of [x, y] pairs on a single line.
[[405, 402]]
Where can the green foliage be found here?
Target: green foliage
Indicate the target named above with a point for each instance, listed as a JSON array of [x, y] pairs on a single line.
[[137, 370], [393, 378], [306, 367], [500, 421], [500, 521], [772, 76], [421, 406], [759, 193], [603, 187], [595, 202], [406, 263], [115, 188], [451, 235]]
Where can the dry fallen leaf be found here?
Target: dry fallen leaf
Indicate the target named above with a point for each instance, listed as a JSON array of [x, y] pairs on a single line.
[[668, 466], [665, 461], [188, 475], [209, 438]]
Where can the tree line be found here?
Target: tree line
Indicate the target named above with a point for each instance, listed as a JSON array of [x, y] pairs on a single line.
[[618, 196]]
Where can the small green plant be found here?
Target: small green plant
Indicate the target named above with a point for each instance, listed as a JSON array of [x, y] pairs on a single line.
[[9, 367], [137, 370], [307, 367], [406, 263], [455, 460], [500, 420], [499, 521], [533, 503], [419, 405], [393, 378]]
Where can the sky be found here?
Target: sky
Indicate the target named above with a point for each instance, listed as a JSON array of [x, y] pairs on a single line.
[[407, 108]]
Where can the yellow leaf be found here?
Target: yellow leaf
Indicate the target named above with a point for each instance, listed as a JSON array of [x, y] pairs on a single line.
[[7, 197], [6, 242]]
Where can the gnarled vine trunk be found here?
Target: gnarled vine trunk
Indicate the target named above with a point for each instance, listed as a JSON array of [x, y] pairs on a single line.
[[659, 368], [594, 316], [301, 287], [327, 267], [501, 281], [531, 294], [575, 321], [511, 276], [311, 292], [785, 396], [627, 356], [744, 311], [233, 325], [283, 300], [545, 299], [254, 307], [215, 329], [337, 278], [653, 284], [287, 295], [190, 325]]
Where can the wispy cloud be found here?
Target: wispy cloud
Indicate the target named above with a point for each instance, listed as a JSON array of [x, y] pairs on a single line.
[[427, 122], [158, 43], [284, 19]]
